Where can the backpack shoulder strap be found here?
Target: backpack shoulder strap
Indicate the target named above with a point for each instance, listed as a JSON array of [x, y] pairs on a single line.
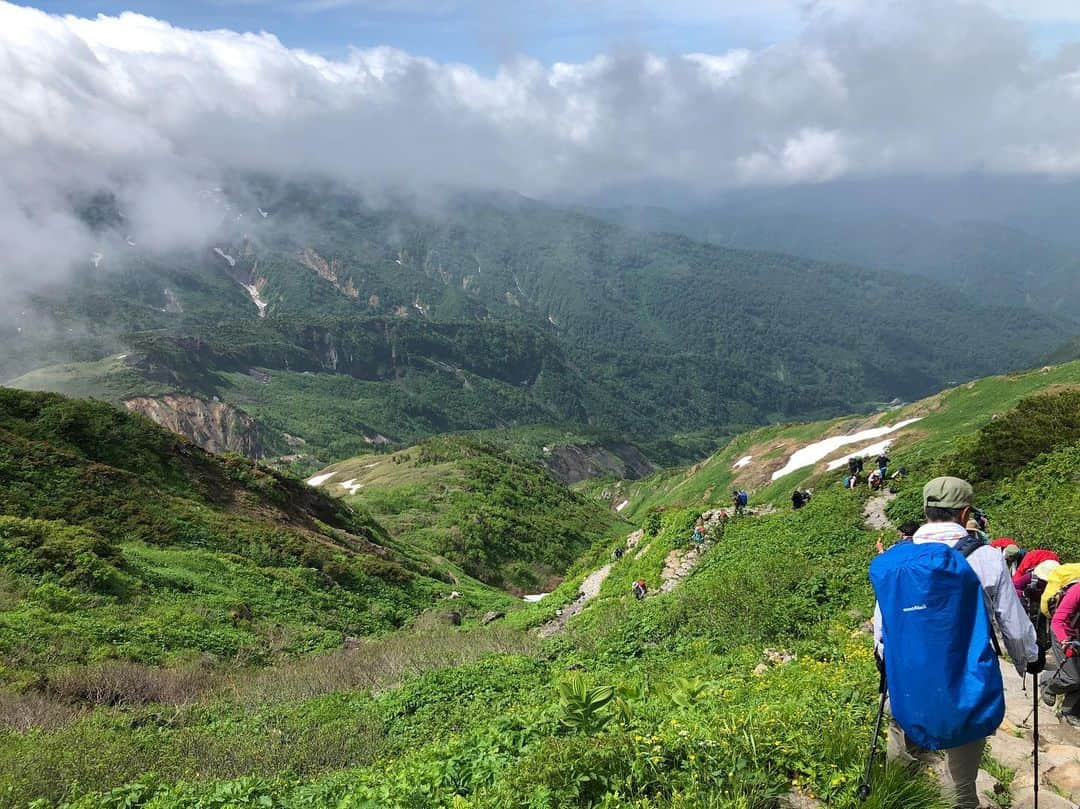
[[967, 546]]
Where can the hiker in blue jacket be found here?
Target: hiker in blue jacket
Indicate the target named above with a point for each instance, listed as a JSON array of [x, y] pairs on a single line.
[[947, 503]]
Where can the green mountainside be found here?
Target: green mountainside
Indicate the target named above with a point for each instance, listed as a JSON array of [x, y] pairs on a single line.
[[504, 521], [744, 677], [392, 323]]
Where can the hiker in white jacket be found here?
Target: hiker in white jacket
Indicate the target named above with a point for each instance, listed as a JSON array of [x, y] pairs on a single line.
[[947, 503]]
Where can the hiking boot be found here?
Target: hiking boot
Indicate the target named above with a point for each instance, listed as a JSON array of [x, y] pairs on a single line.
[[1072, 720], [1050, 700]]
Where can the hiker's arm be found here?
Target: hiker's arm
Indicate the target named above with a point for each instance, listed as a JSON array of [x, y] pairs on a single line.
[[1013, 620], [1066, 609]]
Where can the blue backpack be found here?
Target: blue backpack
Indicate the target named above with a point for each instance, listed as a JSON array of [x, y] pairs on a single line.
[[744, 498], [944, 683]]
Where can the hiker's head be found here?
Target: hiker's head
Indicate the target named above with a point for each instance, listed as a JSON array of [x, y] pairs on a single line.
[[1044, 569], [947, 499], [1011, 553], [908, 528]]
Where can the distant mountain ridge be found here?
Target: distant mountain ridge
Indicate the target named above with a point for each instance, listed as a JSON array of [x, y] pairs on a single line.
[[331, 320]]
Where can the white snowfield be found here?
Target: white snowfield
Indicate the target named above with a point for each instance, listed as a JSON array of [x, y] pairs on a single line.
[[351, 486], [319, 480], [869, 449], [533, 598], [809, 455], [743, 461], [622, 505]]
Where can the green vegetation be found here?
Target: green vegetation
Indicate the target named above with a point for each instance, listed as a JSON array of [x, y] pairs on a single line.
[[504, 312], [752, 678], [503, 521], [123, 541]]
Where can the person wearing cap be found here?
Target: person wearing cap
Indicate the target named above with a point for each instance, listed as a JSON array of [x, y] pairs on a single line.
[[947, 504], [1065, 636]]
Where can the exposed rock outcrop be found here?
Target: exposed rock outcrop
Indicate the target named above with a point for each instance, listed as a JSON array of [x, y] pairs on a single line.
[[328, 271], [574, 463], [214, 426]]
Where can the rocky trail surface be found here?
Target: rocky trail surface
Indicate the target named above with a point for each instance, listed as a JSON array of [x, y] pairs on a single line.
[[874, 513]]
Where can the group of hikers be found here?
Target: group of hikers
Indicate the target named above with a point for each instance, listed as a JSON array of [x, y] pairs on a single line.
[[942, 590], [877, 477]]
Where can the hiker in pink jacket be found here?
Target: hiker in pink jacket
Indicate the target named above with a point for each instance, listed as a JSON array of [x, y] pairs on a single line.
[[1065, 682]]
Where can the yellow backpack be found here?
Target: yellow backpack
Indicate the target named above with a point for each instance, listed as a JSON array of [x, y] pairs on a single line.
[[1060, 578]]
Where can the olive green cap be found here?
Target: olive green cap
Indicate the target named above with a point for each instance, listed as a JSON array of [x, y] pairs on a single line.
[[947, 493]]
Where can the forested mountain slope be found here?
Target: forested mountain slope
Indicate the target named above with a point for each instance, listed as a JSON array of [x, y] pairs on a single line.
[[341, 323]]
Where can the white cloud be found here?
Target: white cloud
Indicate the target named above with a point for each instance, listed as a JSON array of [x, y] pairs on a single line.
[[867, 88]]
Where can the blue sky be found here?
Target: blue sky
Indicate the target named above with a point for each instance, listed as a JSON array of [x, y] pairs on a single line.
[[477, 32]]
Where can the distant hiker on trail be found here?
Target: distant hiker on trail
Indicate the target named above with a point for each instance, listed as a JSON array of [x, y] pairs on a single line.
[[639, 589], [739, 499], [851, 481], [883, 463], [799, 498], [1063, 606], [853, 465], [699, 534], [933, 636], [875, 481], [617, 554], [899, 474], [1031, 583]]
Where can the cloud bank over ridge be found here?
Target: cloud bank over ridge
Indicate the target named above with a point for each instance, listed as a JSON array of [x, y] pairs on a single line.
[[155, 112]]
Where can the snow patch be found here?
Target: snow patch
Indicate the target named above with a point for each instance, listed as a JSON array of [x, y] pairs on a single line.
[[351, 486], [810, 455], [226, 256], [622, 505], [869, 449], [534, 597], [319, 480], [743, 461]]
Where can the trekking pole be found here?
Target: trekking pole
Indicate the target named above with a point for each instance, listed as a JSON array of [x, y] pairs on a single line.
[[864, 787], [1035, 742]]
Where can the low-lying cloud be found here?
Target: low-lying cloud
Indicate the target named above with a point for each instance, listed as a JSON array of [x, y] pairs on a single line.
[[155, 112]]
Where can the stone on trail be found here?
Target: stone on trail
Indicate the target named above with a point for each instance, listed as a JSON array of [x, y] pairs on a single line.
[[1011, 752], [989, 788], [494, 615], [1048, 799], [1065, 778], [796, 800]]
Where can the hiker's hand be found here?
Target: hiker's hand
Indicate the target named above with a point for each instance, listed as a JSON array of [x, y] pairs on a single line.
[[1039, 663]]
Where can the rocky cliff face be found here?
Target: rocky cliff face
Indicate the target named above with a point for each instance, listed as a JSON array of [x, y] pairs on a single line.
[[573, 464], [214, 426]]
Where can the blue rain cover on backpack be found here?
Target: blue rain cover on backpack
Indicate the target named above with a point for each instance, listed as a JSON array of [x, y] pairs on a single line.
[[944, 684], [744, 498]]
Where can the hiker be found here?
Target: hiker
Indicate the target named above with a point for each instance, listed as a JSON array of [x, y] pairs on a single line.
[[739, 499], [899, 474], [1030, 584], [639, 588], [853, 466], [617, 554], [1064, 608], [975, 530], [1011, 552], [851, 481], [935, 645], [799, 499], [883, 463], [875, 481], [1032, 559], [699, 534]]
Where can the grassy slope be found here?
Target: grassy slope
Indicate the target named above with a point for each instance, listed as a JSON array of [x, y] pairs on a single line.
[[692, 726], [500, 519], [946, 418], [124, 541]]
